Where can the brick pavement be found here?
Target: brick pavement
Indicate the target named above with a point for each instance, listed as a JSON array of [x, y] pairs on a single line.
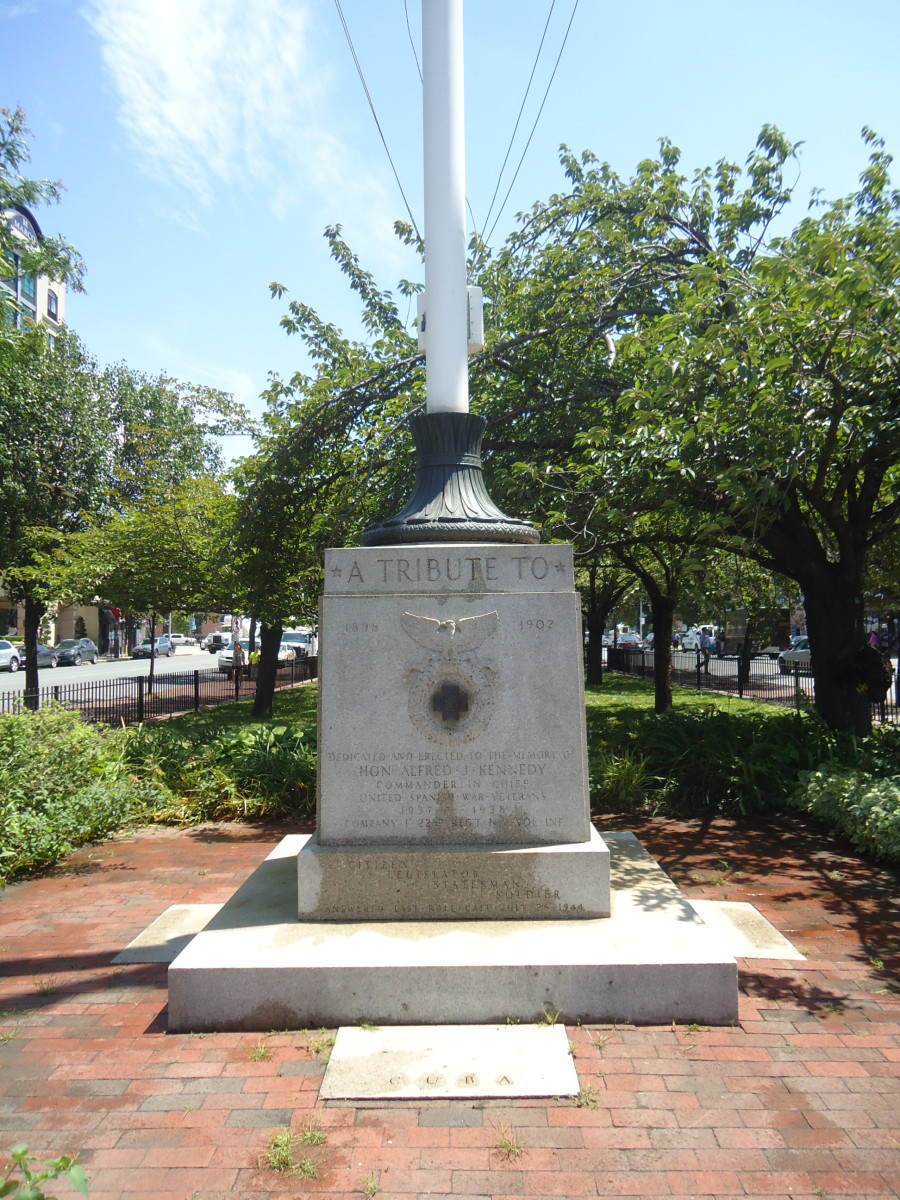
[[800, 1100]]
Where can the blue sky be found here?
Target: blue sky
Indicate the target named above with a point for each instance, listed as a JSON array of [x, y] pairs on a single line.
[[205, 144]]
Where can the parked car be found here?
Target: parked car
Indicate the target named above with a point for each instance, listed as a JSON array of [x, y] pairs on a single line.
[[285, 655], [181, 639], [46, 656], [76, 651], [798, 655], [164, 648], [10, 656], [214, 642], [299, 639], [631, 641]]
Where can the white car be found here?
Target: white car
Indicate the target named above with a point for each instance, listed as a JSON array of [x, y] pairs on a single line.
[[797, 656], [181, 639], [10, 656]]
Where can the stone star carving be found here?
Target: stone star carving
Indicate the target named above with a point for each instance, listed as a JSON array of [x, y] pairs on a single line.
[[560, 566], [336, 571]]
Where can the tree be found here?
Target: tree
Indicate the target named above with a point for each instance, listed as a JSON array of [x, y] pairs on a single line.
[[768, 394], [170, 552], [52, 463]]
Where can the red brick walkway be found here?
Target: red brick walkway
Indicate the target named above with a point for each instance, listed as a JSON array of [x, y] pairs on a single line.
[[801, 1100]]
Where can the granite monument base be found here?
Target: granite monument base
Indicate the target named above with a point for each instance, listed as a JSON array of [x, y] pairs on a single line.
[[445, 883], [255, 967]]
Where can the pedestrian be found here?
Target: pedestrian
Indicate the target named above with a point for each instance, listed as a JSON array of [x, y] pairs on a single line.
[[237, 663], [704, 648], [254, 662]]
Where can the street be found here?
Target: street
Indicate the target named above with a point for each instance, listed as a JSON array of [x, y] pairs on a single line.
[[188, 658]]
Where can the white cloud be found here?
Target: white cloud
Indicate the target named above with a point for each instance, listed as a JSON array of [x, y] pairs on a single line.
[[218, 93], [211, 91]]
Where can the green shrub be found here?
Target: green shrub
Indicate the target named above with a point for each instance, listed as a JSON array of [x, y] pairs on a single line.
[[731, 761], [62, 783], [705, 754], [210, 773], [860, 800], [863, 807]]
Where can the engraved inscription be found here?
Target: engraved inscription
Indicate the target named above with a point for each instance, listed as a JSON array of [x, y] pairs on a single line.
[[434, 794], [410, 571], [404, 888]]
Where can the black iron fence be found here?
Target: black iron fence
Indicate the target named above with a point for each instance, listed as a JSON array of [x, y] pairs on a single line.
[[766, 680], [129, 699]]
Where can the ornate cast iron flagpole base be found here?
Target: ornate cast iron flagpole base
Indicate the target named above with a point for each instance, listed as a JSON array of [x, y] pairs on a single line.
[[450, 502]]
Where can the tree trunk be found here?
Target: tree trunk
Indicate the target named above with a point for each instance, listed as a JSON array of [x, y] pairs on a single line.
[[834, 622], [152, 652], [602, 600], [252, 645], [269, 641], [34, 611], [662, 609]]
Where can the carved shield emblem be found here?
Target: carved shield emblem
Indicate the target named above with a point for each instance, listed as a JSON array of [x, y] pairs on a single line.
[[450, 693]]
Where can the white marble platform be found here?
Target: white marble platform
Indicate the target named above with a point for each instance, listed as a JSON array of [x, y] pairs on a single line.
[[256, 967]]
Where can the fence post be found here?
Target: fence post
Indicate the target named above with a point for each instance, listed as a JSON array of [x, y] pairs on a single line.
[[698, 668], [140, 683], [740, 672], [797, 686], [196, 691]]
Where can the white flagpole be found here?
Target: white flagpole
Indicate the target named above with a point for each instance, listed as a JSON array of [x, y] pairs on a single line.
[[446, 355]]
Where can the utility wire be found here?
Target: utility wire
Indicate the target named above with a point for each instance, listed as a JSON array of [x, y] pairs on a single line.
[[519, 117], [362, 79], [411, 42], [534, 126]]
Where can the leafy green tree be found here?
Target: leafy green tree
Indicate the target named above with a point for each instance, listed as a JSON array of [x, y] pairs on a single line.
[[53, 464], [767, 396], [168, 553]]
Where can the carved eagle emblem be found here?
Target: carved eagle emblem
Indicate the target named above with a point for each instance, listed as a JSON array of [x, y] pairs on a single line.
[[450, 637]]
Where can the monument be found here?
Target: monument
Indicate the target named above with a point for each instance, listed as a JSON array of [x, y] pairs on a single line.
[[455, 875]]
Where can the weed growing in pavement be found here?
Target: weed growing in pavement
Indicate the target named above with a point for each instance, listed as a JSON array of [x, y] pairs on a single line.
[[46, 987], [588, 1097], [7, 1035], [319, 1044], [280, 1155], [877, 963], [312, 1133], [25, 1176], [507, 1142], [367, 1186], [550, 1016], [367, 1026], [259, 1052]]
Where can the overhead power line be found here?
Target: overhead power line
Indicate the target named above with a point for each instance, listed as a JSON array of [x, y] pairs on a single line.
[[362, 79], [535, 125], [519, 116]]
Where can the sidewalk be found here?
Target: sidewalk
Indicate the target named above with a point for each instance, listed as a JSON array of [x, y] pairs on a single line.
[[801, 1100]]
